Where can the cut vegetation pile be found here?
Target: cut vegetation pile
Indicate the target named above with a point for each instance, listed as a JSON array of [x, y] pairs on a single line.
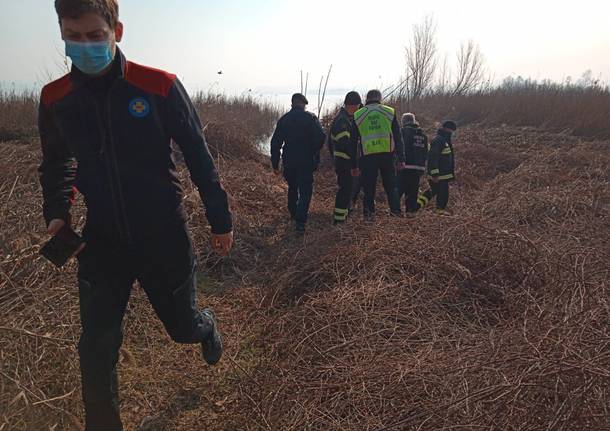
[[496, 318]]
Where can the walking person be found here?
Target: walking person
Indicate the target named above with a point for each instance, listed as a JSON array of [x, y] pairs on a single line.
[[416, 153], [106, 129], [441, 168], [297, 141], [345, 155], [378, 134]]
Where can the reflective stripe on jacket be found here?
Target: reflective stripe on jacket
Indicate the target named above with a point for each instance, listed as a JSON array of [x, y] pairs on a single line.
[[441, 162], [416, 147], [340, 143]]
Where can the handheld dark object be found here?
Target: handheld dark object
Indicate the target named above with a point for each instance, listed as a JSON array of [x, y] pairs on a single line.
[[65, 244]]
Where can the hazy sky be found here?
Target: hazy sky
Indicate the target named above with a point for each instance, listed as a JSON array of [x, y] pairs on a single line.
[[263, 45]]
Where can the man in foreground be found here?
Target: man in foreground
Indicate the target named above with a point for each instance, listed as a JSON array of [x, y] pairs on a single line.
[[378, 133], [441, 168], [345, 154], [106, 130], [297, 141]]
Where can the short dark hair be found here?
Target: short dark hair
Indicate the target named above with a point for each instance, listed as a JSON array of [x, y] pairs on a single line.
[[373, 96], [108, 9]]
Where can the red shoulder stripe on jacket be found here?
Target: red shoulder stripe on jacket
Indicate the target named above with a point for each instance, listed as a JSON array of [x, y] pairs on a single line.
[[56, 90], [151, 80]]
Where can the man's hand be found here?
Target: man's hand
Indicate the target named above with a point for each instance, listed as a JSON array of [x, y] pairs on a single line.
[[402, 166], [355, 173], [435, 180], [222, 244], [55, 226]]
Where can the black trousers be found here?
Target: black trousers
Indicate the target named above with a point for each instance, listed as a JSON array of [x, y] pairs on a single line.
[[357, 188], [300, 191], [439, 190], [370, 167], [408, 186], [345, 181], [165, 268]]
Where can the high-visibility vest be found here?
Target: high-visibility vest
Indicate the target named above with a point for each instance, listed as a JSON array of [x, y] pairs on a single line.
[[375, 126]]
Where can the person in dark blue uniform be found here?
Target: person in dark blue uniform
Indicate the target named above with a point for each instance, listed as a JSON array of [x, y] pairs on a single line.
[[106, 130], [297, 141], [416, 153], [441, 168]]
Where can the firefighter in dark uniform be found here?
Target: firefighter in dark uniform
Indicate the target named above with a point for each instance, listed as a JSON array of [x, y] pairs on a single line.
[[297, 140], [378, 133], [441, 168], [345, 154], [416, 153]]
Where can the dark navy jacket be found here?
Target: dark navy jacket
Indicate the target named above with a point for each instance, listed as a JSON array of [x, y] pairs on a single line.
[[342, 148], [441, 161], [416, 147], [114, 146], [297, 139]]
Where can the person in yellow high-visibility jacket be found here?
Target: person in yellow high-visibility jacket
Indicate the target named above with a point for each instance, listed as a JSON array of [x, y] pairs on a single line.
[[380, 141]]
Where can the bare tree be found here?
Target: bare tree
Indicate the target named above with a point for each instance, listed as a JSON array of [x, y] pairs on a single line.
[[443, 80], [470, 71], [421, 58]]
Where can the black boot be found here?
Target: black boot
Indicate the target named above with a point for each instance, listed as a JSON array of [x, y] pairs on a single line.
[[211, 348]]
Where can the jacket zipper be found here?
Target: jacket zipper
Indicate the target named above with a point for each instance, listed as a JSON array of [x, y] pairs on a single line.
[[115, 165], [107, 151], [104, 152]]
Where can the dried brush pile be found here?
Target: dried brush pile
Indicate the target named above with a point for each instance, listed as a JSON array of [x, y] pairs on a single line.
[[496, 318], [39, 315]]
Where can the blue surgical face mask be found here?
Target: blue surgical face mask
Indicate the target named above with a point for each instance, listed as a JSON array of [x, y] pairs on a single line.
[[90, 58]]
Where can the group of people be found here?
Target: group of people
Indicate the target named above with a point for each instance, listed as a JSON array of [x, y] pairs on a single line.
[[365, 141], [106, 129]]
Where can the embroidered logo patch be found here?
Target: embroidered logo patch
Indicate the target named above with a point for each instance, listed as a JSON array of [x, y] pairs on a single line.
[[139, 107]]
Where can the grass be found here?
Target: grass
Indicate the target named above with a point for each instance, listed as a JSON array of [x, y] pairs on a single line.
[[243, 114], [247, 113], [496, 318], [582, 110], [18, 114]]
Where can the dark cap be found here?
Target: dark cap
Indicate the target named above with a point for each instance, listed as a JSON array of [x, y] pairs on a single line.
[[353, 98], [299, 98], [450, 124]]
